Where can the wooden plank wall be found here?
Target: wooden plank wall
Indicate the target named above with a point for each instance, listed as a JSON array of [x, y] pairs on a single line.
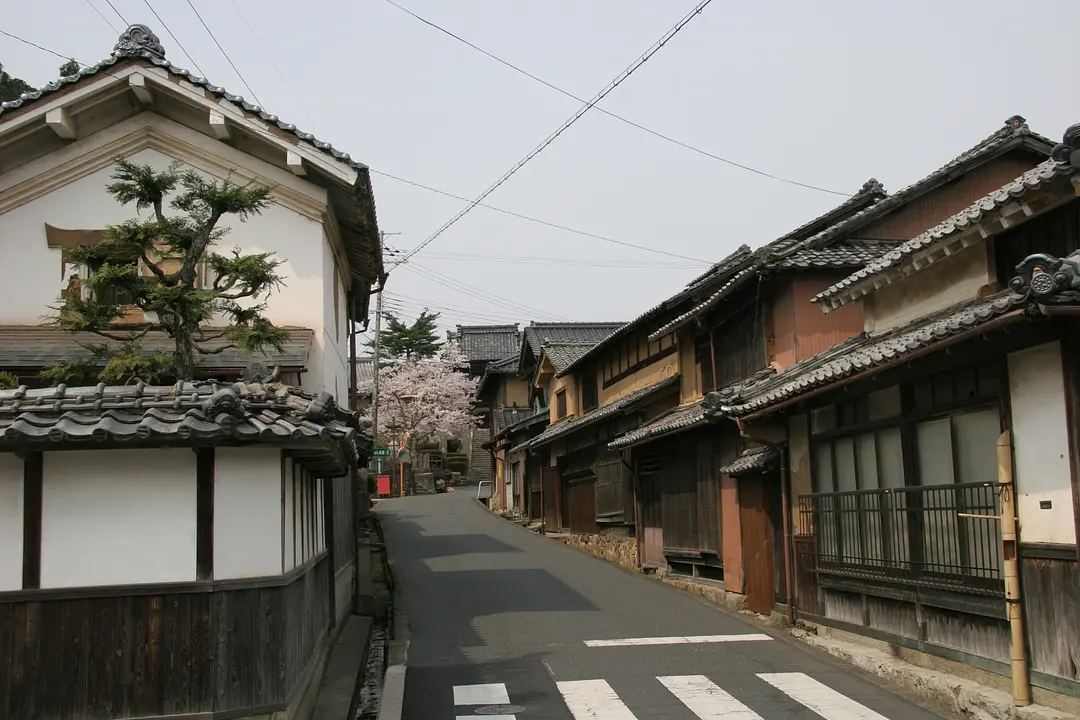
[[551, 498], [1051, 591], [344, 532], [583, 506], [170, 653], [691, 496]]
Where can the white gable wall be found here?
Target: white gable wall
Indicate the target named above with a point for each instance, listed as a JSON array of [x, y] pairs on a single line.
[[11, 522], [31, 273], [247, 512], [114, 517]]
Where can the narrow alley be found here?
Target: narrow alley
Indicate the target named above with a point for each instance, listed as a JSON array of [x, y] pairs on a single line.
[[505, 623]]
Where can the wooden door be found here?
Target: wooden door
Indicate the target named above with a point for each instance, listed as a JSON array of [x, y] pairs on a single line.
[[757, 538], [551, 499], [650, 492]]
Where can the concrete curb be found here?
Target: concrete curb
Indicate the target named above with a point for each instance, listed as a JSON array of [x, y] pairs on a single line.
[[393, 699]]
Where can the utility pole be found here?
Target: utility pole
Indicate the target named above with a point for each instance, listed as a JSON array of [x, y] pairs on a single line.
[[378, 339]]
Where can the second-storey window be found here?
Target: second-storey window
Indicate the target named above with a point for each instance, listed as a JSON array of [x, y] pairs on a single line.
[[590, 398], [560, 404]]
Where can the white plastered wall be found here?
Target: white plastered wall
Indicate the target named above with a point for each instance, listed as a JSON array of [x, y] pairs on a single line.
[[117, 517], [1041, 445], [941, 285], [247, 512], [31, 273], [11, 522]]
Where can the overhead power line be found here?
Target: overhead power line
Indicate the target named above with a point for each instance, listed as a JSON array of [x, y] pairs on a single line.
[[475, 292], [109, 3], [562, 262], [175, 39], [275, 66], [102, 16], [444, 193], [231, 63], [557, 226], [610, 114], [566, 125]]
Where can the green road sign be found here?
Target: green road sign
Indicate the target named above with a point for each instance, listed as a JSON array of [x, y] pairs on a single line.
[[381, 452]]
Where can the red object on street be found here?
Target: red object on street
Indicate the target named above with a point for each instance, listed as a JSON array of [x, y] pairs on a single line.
[[382, 486], [449, 489]]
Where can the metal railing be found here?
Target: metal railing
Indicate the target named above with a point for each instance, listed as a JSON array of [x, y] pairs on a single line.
[[945, 536]]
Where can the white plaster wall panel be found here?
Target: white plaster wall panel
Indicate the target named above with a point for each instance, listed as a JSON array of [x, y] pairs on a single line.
[[117, 517], [247, 512], [289, 528], [28, 287], [328, 365], [1041, 445], [941, 285], [319, 497], [11, 522]]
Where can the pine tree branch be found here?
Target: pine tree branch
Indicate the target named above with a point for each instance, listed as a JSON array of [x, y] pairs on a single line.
[[216, 351]]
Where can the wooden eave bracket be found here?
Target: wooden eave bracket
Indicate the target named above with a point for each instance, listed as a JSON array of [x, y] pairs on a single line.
[[61, 122], [219, 125], [295, 162], [141, 88]]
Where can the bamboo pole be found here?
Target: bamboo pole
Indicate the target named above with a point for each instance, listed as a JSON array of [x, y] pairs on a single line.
[[1021, 685]]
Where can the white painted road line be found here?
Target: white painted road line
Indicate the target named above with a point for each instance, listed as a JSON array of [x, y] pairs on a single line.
[[593, 700], [820, 698], [489, 694], [486, 717], [706, 699], [678, 640]]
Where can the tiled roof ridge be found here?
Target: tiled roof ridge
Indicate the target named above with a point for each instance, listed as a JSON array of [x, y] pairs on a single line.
[[1014, 130], [573, 324], [861, 353], [487, 328], [138, 42], [1033, 179]]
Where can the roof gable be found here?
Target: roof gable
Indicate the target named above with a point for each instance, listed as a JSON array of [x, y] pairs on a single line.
[[483, 343]]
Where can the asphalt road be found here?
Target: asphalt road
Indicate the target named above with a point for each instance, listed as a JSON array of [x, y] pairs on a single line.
[[501, 619]]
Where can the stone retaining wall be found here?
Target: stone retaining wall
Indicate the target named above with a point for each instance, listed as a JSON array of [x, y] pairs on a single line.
[[619, 550]]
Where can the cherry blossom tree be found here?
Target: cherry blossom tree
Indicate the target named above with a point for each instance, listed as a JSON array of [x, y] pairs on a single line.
[[430, 399]]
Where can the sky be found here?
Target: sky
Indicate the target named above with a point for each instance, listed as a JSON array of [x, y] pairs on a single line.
[[828, 94]]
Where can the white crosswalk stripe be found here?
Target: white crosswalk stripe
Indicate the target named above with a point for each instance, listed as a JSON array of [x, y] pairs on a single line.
[[820, 698], [706, 699], [593, 700], [487, 694], [677, 640]]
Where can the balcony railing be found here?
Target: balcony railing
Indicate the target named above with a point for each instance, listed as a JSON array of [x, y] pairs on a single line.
[[943, 536]]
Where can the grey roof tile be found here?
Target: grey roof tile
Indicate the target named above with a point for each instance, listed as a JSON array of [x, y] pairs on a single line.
[[536, 334], [970, 216], [681, 418], [322, 434], [1013, 134], [756, 459], [627, 401], [138, 42], [482, 343], [365, 368], [563, 355], [856, 355], [31, 347]]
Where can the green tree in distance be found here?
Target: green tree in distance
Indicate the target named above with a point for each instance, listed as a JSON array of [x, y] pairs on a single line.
[[69, 68], [418, 341], [11, 87], [154, 264]]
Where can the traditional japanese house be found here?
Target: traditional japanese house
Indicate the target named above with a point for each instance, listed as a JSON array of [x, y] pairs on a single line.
[[485, 346], [754, 319], [57, 147], [517, 428], [505, 398], [891, 440], [178, 551]]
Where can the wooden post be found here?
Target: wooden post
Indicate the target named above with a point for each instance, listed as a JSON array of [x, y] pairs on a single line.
[[1021, 686], [785, 496]]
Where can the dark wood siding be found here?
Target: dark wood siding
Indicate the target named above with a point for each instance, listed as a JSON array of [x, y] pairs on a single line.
[[614, 490], [691, 499], [739, 345], [344, 533], [551, 499], [757, 539], [1055, 233], [176, 651], [582, 505], [1052, 593]]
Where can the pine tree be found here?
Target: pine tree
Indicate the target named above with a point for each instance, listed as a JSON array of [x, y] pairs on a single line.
[[155, 263], [11, 87], [417, 341]]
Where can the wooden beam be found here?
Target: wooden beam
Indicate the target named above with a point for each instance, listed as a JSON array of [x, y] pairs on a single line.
[[295, 162], [138, 85], [32, 481], [219, 125], [204, 513], [61, 122]]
